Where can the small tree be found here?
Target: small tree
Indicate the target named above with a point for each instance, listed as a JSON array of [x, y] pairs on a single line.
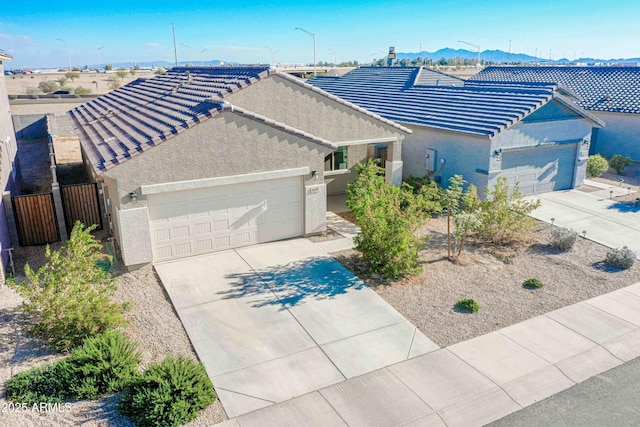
[[121, 73], [63, 81], [46, 86], [72, 75], [70, 296], [114, 83], [108, 67], [159, 71], [388, 217], [132, 71], [463, 207], [505, 215], [619, 163], [597, 165]]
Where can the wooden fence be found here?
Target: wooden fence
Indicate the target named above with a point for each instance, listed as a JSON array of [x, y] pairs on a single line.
[[35, 216], [81, 204]]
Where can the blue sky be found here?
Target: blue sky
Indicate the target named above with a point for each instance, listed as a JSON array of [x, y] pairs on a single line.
[[244, 31]]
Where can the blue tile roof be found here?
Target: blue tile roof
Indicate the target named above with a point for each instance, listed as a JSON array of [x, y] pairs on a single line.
[[402, 95], [614, 89]]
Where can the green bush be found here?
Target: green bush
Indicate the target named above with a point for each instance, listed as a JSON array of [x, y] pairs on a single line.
[[81, 90], [102, 365], [468, 306], [504, 216], [621, 258], [597, 165], [532, 283], [45, 384], [70, 296], [563, 238], [619, 163], [388, 218], [169, 393]]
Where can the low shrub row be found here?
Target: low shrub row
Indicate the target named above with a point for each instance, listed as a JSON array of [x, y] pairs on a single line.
[[169, 393]]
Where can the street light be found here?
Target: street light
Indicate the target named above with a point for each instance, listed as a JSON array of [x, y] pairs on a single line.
[[188, 52], [202, 55], [68, 57], [310, 34], [272, 52], [474, 45], [98, 52], [333, 52]]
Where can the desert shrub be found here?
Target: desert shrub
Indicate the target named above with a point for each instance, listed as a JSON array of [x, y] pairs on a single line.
[[47, 86], [462, 206], [103, 364], [81, 90], [619, 163], [388, 217], [169, 393], [532, 283], [621, 258], [504, 216], [45, 384], [597, 165], [563, 238], [69, 295], [468, 306]]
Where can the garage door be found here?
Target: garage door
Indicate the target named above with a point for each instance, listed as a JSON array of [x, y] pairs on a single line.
[[540, 170], [192, 222]]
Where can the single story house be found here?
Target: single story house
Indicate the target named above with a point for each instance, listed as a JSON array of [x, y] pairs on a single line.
[[8, 168], [530, 133], [610, 93], [205, 159]]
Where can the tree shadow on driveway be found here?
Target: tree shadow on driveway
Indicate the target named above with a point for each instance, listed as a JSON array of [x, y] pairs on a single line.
[[294, 284]]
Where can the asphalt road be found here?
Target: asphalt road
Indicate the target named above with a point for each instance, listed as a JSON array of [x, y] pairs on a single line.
[[609, 399]]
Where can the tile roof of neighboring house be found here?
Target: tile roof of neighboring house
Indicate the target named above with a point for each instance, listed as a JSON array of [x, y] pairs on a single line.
[[136, 117], [392, 92], [428, 77], [614, 89]]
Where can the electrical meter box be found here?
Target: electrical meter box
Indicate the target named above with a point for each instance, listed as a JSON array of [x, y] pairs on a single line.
[[430, 160]]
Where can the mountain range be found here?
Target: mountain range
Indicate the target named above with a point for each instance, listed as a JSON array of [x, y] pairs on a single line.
[[500, 56]]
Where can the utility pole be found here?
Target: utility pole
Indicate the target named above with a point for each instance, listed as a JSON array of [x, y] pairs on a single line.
[[175, 48], [310, 34], [474, 45], [68, 56]]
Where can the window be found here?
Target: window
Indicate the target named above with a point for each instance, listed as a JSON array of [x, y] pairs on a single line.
[[336, 160]]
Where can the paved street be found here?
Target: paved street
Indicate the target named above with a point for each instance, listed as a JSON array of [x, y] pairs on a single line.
[[608, 399]]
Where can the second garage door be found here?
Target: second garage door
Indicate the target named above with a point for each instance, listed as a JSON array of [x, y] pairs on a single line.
[[192, 222], [542, 169]]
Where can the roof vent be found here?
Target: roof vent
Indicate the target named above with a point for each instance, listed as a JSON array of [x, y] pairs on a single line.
[[189, 78]]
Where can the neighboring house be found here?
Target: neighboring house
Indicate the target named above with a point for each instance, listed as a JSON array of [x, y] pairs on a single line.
[[610, 93], [528, 133], [8, 150], [205, 159]]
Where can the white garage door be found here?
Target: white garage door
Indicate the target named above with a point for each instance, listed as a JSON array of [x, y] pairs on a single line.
[[540, 170], [192, 222]]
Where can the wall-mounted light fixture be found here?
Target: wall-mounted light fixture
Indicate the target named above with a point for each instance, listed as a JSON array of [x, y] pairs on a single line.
[[133, 196], [314, 175], [498, 153]]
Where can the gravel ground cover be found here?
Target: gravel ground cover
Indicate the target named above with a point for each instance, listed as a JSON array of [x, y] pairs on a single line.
[[153, 323]]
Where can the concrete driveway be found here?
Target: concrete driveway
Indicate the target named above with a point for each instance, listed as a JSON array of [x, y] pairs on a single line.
[[274, 321], [606, 221]]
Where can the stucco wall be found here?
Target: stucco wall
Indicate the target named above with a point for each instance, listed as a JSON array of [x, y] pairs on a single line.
[[289, 103], [462, 155], [8, 150], [226, 145], [621, 135]]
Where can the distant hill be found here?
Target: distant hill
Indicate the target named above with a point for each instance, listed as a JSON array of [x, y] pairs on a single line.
[[500, 56], [164, 64]]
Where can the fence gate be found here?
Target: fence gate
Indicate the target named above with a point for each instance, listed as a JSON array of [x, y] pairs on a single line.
[[81, 204], [35, 219]]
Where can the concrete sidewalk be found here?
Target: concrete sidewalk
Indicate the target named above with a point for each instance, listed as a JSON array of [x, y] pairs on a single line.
[[607, 222], [477, 381]]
